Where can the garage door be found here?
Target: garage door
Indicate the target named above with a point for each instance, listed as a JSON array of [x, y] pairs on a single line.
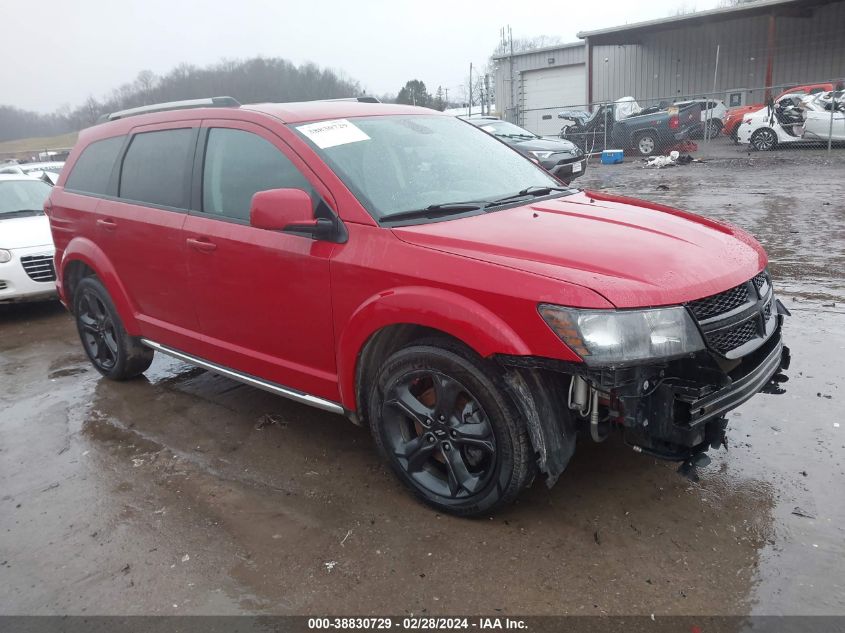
[[548, 90]]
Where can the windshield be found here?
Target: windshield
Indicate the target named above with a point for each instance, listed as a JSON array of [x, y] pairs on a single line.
[[505, 129], [397, 164], [23, 196]]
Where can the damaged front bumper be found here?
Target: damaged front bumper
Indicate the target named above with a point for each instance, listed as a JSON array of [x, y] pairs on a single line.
[[672, 409], [680, 410]]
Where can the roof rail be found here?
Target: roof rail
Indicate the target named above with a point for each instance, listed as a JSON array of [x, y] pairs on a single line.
[[364, 99], [213, 102]]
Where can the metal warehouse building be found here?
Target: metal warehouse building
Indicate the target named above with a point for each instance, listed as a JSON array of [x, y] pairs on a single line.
[[740, 51]]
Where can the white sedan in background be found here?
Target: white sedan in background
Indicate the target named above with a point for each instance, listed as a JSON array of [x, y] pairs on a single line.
[[26, 245], [46, 171], [795, 118]]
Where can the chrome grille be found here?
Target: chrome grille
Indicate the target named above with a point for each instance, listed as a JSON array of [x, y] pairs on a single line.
[[719, 304], [39, 267], [724, 342], [3, 285]]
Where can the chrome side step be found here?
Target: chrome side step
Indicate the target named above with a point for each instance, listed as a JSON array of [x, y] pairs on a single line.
[[286, 392]]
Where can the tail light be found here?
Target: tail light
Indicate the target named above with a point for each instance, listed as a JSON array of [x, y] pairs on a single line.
[[674, 122]]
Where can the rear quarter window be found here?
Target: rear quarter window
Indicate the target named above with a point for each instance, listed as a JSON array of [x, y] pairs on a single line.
[[156, 168], [93, 168]]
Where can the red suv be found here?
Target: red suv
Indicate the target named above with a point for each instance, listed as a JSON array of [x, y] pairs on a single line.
[[407, 270]]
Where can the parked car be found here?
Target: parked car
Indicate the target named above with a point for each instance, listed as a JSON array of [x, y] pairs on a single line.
[[32, 169], [713, 113], [400, 267], [562, 158], [611, 127], [795, 118], [736, 115], [26, 247], [572, 117]]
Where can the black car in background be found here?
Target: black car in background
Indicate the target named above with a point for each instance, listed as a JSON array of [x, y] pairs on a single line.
[[562, 158]]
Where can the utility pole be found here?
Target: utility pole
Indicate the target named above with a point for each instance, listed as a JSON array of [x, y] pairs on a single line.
[[510, 68]]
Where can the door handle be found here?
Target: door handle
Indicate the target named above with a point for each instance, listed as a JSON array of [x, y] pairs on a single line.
[[201, 245], [107, 224]]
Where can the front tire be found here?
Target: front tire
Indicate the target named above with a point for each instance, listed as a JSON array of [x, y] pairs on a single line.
[[114, 353], [764, 139], [443, 422]]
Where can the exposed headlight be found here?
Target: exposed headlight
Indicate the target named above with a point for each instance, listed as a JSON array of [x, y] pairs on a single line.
[[603, 337], [542, 155], [5, 256]]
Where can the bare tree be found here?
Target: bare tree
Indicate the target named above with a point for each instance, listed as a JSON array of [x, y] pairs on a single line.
[[521, 44]]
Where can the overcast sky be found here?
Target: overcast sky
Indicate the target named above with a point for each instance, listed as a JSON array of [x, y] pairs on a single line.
[[61, 51]]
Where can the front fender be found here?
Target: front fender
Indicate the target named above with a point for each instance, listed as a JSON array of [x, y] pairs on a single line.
[[439, 309], [81, 249]]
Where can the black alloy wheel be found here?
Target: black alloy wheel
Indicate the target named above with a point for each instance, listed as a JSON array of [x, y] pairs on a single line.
[[764, 139], [439, 433], [97, 331], [112, 351], [442, 418]]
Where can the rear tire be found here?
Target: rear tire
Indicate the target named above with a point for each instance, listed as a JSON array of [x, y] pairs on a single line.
[[114, 353], [764, 139], [645, 144], [442, 420]]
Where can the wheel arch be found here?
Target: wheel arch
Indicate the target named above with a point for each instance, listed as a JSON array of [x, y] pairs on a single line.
[[392, 319], [82, 258], [650, 131]]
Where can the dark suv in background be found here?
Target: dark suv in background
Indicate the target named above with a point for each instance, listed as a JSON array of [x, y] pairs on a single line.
[[562, 158]]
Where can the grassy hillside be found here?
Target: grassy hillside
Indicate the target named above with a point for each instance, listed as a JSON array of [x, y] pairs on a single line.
[[23, 148]]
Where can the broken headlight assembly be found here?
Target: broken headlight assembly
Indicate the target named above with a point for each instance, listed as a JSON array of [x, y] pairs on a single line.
[[613, 337]]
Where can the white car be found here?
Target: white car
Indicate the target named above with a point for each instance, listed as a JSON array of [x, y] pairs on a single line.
[[795, 117], [27, 271], [713, 113]]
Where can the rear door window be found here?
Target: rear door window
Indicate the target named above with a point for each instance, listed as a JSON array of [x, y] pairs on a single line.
[[156, 168], [238, 164], [93, 169]]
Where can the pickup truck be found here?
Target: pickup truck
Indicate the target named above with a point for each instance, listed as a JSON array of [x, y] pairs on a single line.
[[646, 133]]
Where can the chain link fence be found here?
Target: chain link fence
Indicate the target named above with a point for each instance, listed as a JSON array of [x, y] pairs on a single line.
[[787, 116]]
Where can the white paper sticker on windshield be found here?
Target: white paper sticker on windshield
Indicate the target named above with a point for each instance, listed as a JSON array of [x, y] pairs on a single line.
[[331, 133]]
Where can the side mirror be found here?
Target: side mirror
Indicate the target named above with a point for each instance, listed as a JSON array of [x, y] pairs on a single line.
[[292, 211], [277, 209]]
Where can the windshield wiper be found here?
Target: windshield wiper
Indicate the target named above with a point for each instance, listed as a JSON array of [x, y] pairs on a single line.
[[437, 210], [534, 191]]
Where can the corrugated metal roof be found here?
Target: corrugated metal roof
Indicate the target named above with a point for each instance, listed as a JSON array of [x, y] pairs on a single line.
[[713, 15], [544, 49]]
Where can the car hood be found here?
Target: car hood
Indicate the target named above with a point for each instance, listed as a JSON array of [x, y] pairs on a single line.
[[633, 253], [25, 231], [543, 145]]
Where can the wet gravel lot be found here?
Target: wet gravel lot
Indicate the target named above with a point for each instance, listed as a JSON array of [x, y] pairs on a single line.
[[184, 492]]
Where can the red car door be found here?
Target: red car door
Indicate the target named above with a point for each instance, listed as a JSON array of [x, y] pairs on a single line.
[[262, 298], [141, 231]]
